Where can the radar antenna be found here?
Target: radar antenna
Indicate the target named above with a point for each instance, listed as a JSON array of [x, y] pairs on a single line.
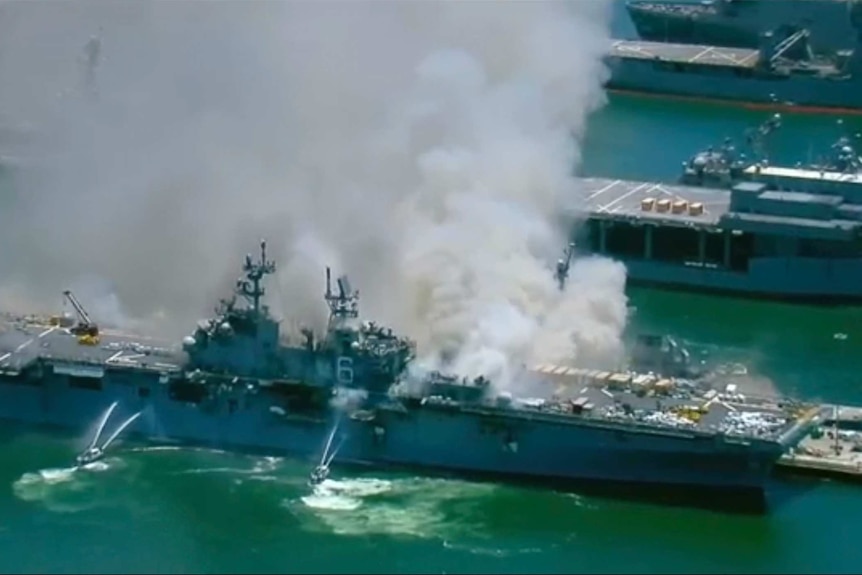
[[345, 304], [250, 287], [563, 264]]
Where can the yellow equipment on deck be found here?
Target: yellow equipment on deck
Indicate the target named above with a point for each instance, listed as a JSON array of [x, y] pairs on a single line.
[[87, 339], [692, 413], [86, 329]]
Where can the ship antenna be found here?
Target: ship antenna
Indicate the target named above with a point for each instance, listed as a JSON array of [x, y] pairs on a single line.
[[343, 305], [562, 272], [250, 287]]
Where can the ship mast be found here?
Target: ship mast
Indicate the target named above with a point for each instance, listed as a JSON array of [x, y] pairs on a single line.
[[250, 287], [342, 306], [561, 274]]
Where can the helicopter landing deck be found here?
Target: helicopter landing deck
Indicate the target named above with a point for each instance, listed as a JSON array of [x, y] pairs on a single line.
[[668, 204], [23, 342]]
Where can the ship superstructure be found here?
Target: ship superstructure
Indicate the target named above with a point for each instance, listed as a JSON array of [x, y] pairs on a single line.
[[237, 385], [782, 74], [739, 23], [724, 165], [739, 227]]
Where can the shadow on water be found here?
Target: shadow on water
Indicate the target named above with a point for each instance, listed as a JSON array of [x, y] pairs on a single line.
[[785, 489]]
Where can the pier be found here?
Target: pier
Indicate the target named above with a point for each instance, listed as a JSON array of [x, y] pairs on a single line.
[[834, 454]]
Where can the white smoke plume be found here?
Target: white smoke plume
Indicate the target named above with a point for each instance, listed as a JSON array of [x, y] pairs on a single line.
[[423, 147]]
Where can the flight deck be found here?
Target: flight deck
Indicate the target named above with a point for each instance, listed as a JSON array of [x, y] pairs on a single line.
[[24, 339], [684, 53], [668, 204], [649, 399]]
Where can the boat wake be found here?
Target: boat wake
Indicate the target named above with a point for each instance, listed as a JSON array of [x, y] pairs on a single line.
[[72, 489], [65, 489], [260, 467], [345, 495], [405, 507]]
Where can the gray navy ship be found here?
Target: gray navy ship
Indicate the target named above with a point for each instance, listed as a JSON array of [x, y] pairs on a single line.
[[237, 383], [782, 73], [737, 226], [739, 23]]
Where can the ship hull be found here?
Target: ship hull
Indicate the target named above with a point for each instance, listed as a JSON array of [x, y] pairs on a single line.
[[803, 94], [662, 27], [802, 280], [826, 19], [461, 442]]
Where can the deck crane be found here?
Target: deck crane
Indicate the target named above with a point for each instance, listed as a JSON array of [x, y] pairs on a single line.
[[86, 330]]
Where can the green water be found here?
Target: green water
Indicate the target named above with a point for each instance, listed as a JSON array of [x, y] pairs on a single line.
[[160, 511]]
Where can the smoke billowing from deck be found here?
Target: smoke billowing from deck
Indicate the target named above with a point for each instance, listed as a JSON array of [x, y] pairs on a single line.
[[424, 148]]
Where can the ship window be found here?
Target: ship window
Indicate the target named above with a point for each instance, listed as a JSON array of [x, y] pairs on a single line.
[[675, 244], [714, 249], [590, 235], [300, 397], [92, 383], [143, 392], [187, 392], [624, 239], [740, 251]]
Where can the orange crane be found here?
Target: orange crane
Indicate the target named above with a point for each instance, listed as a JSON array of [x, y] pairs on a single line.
[[86, 330]]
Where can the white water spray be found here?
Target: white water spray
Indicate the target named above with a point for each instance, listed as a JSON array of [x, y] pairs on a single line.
[[94, 452], [320, 473], [101, 427], [324, 456], [424, 148]]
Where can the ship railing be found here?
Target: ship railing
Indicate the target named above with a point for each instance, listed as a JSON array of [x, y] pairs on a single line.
[[99, 362], [764, 402], [678, 427], [532, 414], [641, 425], [752, 431]]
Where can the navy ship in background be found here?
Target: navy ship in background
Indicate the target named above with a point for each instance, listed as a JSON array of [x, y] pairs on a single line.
[[739, 23], [238, 384], [737, 226], [783, 73]]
